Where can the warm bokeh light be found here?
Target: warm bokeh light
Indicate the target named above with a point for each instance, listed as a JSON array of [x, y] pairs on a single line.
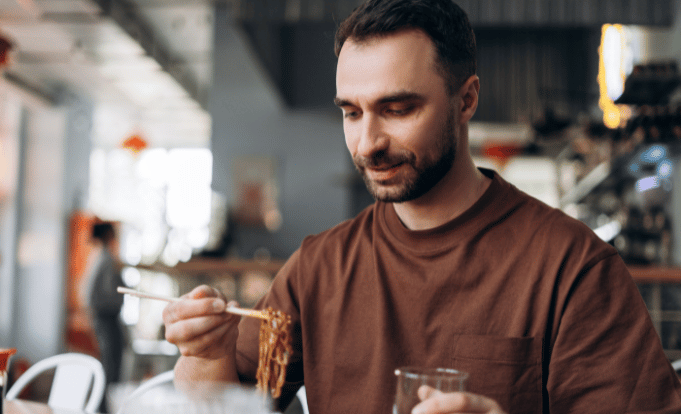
[[190, 174], [163, 199], [615, 63]]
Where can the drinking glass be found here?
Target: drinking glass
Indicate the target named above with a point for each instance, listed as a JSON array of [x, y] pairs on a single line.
[[409, 379]]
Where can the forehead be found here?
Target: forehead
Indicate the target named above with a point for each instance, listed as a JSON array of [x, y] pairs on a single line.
[[402, 61]]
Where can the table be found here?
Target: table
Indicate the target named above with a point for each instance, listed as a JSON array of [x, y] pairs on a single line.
[[30, 407]]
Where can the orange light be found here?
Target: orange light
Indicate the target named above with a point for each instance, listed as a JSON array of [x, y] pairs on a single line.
[[135, 143], [614, 115], [501, 153]]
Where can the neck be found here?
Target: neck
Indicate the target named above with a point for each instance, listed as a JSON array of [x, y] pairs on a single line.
[[463, 185]]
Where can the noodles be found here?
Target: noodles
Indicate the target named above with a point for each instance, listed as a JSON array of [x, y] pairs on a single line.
[[275, 350]]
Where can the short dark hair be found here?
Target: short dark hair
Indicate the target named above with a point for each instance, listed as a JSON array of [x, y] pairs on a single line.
[[443, 21], [104, 232]]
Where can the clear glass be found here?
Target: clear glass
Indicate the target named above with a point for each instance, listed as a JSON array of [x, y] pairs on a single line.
[[409, 379]]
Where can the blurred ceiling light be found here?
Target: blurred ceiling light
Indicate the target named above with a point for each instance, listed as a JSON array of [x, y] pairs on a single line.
[[613, 45], [616, 61], [134, 143]]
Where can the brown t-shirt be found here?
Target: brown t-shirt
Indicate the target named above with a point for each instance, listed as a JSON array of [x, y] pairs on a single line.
[[543, 314]]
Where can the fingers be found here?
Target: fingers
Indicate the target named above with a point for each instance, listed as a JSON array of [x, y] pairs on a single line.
[[437, 402], [203, 291], [202, 338], [199, 325], [188, 329], [192, 308], [205, 300]]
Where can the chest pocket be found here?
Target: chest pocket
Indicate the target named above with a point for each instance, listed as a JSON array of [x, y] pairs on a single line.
[[509, 370]]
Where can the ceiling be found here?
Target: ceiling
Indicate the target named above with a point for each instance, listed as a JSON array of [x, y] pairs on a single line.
[[153, 59], [149, 61]]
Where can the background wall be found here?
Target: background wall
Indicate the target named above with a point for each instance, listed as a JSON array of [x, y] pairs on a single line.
[[39, 282], [52, 168], [250, 118]]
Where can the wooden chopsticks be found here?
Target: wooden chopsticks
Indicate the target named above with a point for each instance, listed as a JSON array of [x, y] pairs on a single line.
[[252, 313]]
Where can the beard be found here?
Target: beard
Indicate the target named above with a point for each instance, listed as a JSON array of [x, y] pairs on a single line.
[[418, 176]]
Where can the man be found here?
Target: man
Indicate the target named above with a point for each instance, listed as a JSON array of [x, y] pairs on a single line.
[[451, 267], [105, 303]]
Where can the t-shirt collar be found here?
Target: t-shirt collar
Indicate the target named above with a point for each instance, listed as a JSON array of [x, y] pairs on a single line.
[[482, 212]]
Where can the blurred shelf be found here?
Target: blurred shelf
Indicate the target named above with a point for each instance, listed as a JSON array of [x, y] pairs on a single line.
[[203, 266], [655, 274]]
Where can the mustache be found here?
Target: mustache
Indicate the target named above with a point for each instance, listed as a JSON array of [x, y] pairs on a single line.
[[383, 160]]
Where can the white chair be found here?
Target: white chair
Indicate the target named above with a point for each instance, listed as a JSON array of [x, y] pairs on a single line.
[[145, 386], [302, 396], [299, 403], [76, 376], [677, 365]]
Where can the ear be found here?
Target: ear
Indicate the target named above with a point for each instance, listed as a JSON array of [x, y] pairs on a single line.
[[469, 98]]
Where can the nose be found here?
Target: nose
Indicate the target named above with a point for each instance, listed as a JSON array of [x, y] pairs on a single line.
[[372, 137]]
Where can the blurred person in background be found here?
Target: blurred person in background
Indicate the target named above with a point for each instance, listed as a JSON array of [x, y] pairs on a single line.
[[104, 302]]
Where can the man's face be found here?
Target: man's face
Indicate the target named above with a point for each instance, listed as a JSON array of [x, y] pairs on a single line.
[[398, 119]]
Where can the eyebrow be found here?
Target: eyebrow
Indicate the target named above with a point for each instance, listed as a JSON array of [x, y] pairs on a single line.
[[397, 97], [340, 102]]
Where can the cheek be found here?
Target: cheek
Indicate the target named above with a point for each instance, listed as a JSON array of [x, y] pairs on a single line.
[[350, 140], [426, 142], [417, 137]]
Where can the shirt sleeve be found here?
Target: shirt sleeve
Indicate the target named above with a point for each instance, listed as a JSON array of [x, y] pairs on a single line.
[[282, 295], [606, 355]]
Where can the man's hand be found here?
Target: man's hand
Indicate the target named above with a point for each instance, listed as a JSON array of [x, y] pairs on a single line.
[[437, 402], [199, 325]]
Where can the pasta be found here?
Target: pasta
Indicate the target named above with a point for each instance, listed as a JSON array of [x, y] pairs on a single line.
[[274, 351]]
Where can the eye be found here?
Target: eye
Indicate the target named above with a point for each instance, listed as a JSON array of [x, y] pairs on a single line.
[[350, 114], [399, 110]]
